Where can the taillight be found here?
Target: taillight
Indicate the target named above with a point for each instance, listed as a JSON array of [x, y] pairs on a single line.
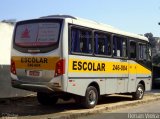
[[59, 70], [13, 67]]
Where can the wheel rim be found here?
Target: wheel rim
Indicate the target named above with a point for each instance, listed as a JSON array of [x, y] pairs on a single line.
[[140, 92], [92, 97]]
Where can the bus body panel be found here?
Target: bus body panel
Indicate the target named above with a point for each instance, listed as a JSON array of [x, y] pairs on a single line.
[[36, 71], [78, 86], [46, 77], [65, 51], [132, 76], [122, 80], [90, 69]]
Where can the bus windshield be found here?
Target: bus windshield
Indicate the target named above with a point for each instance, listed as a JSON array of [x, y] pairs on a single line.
[[37, 34]]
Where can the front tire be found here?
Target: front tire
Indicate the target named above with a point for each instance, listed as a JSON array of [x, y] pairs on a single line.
[[138, 95], [46, 98], [91, 97]]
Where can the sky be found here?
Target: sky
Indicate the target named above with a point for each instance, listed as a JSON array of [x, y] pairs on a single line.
[[136, 16]]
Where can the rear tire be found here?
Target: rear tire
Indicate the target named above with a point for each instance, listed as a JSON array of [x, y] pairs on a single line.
[[91, 97], [138, 95], [46, 98]]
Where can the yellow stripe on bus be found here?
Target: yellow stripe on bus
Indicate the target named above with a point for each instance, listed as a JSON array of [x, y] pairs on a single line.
[[40, 62], [142, 70], [93, 66]]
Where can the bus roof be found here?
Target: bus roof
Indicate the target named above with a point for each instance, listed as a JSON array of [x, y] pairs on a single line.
[[97, 25]]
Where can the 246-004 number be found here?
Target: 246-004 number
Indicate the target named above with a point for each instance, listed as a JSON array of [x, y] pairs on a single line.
[[119, 67]]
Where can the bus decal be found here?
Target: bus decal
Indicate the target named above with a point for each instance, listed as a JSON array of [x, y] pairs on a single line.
[[28, 62], [33, 60], [90, 66], [96, 66], [119, 67]]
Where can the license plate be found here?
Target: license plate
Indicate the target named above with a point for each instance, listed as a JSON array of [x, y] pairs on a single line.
[[32, 73]]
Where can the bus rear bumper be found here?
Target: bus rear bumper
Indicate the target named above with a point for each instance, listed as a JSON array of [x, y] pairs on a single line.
[[35, 87]]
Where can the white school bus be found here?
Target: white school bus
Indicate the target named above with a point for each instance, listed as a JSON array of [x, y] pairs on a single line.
[[62, 56]]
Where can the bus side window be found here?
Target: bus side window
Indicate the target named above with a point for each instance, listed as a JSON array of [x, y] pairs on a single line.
[[85, 41], [102, 44], [148, 52], [119, 46], [132, 49], [142, 51], [145, 52], [81, 41], [75, 41]]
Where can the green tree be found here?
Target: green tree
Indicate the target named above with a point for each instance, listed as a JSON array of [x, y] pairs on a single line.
[[151, 39]]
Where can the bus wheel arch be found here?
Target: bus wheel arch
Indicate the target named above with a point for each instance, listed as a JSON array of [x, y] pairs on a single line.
[[95, 84], [138, 95], [143, 83], [91, 96]]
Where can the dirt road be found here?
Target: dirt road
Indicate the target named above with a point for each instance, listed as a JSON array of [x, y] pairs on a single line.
[[29, 108]]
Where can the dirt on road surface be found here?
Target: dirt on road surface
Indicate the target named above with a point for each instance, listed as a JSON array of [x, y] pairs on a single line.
[[29, 108]]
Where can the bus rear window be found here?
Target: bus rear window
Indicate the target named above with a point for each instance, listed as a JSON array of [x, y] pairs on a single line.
[[37, 34]]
